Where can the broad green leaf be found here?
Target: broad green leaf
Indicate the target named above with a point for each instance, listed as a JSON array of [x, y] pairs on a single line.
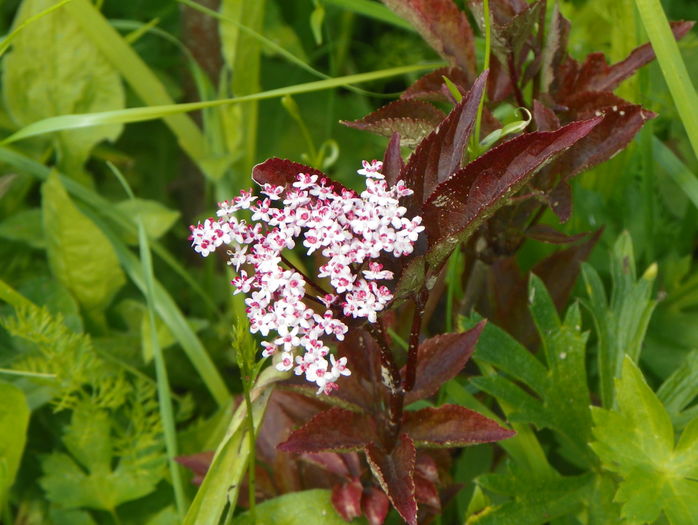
[[636, 441], [80, 255], [620, 321], [71, 517], [25, 227], [90, 477], [54, 69], [552, 395], [157, 219], [137, 74], [14, 420], [536, 500], [297, 508]]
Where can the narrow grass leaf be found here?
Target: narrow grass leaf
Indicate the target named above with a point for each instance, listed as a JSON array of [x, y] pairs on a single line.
[[672, 65], [66, 122], [163, 385]]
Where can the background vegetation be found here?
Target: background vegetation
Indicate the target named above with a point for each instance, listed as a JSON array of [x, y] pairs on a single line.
[[113, 359]]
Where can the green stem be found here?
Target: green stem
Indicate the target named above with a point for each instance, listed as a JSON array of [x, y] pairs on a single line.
[[485, 67], [251, 436]]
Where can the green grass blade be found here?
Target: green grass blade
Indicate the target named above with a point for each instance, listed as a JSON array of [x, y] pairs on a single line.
[[163, 384], [676, 169], [372, 10], [124, 116], [138, 75], [7, 41], [672, 65], [222, 482], [108, 210]]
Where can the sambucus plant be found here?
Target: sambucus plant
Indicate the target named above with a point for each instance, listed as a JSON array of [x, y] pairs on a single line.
[[453, 193]]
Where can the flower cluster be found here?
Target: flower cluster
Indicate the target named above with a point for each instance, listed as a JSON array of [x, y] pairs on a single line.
[[351, 231]]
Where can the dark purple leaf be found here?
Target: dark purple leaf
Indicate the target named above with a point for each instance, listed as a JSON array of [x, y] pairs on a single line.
[[559, 271], [412, 119], [544, 117], [499, 85], [281, 172], [441, 358], [555, 50], [363, 359], [329, 461], [425, 491], [451, 426], [392, 160], [198, 463], [619, 124], [596, 75], [511, 33], [560, 201], [394, 471], [346, 499], [548, 234], [375, 506], [441, 153], [430, 86], [426, 467], [444, 27], [508, 288], [334, 430], [501, 12], [459, 205]]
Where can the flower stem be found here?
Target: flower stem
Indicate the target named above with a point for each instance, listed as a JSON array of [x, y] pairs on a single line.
[[251, 436], [411, 367]]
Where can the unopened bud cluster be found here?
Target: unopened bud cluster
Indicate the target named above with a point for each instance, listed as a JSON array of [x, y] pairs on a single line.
[[351, 231]]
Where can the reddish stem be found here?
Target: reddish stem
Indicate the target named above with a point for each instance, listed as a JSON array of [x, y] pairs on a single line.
[[413, 347]]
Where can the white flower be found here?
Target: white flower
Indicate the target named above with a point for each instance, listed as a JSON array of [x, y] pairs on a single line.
[[349, 230]]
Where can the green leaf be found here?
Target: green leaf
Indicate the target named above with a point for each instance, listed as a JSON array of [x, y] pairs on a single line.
[[80, 255], [536, 501], [14, 420], [636, 441], [552, 395], [54, 69], [681, 387], [26, 227], [297, 508], [621, 321], [157, 219], [86, 478]]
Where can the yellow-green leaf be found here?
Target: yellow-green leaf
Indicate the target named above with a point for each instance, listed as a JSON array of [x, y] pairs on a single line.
[[14, 419], [80, 255], [636, 441], [54, 69]]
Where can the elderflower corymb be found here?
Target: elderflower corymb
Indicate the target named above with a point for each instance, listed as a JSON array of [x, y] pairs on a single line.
[[351, 231]]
